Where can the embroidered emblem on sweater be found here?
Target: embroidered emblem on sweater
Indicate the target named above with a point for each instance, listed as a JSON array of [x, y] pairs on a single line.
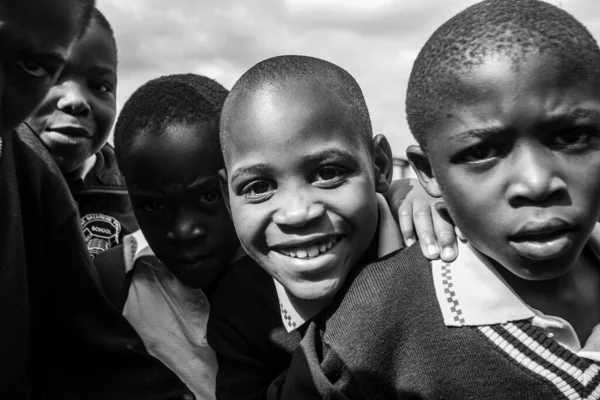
[[287, 317], [573, 377], [451, 294], [101, 232]]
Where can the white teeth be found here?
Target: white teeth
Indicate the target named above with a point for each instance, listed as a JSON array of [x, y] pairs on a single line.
[[310, 251], [313, 251]]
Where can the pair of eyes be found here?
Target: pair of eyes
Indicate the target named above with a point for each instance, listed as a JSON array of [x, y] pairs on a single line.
[[204, 199], [37, 70], [325, 177], [574, 139]]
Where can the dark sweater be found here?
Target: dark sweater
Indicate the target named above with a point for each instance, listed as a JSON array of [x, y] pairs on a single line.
[[101, 198], [58, 334], [384, 338], [246, 331]]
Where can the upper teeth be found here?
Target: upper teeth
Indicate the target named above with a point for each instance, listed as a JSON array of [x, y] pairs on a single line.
[[310, 251]]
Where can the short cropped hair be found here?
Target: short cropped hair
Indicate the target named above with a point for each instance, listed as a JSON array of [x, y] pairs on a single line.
[[511, 27], [281, 70], [99, 18], [164, 101]]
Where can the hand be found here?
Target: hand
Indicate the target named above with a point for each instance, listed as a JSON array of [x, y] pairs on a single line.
[[418, 212]]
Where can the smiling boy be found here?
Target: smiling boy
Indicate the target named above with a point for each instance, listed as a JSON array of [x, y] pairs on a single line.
[[303, 172], [502, 101]]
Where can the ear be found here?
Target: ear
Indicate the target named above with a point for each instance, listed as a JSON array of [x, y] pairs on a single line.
[[421, 165], [224, 188], [383, 161]]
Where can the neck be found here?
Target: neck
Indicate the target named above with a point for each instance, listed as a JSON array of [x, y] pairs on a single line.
[[81, 172], [308, 308]]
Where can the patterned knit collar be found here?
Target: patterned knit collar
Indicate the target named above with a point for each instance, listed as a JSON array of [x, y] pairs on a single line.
[[390, 240], [470, 292]]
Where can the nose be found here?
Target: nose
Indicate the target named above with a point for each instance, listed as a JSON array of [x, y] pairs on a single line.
[[535, 177], [297, 209], [73, 100], [185, 228]]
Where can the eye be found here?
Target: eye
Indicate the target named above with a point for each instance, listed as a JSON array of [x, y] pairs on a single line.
[[258, 190], [209, 197], [101, 87], [478, 154], [153, 206], [573, 138], [329, 175], [33, 68]]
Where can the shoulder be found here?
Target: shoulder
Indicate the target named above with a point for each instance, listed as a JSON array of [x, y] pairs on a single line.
[[245, 284], [393, 285], [106, 173]]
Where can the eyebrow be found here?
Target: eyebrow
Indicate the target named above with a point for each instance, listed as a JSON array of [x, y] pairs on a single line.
[[102, 70], [256, 169], [573, 116], [482, 134]]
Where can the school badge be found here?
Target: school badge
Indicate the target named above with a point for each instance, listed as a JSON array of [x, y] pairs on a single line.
[[101, 232]]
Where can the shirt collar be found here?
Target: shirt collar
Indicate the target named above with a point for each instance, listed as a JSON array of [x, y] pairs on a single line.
[[471, 292], [390, 240]]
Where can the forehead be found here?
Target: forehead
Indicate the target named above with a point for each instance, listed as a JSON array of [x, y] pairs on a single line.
[[42, 25], [95, 51], [179, 153], [493, 90], [272, 119]]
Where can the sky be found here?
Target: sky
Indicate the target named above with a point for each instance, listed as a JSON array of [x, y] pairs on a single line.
[[375, 40]]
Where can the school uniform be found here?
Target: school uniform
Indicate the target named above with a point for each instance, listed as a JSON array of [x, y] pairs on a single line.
[[101, 196], [169, 317], [255, 328], [59, 336], [403, 327]]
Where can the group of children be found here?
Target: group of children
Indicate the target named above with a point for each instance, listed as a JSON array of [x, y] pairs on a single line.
[[269, 261]]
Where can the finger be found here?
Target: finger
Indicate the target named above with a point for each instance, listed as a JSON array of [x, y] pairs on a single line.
[[405, 219], [444, 231], [423, 222]]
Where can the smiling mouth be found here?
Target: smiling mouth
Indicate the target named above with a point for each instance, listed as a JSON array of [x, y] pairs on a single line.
[[312, 250]]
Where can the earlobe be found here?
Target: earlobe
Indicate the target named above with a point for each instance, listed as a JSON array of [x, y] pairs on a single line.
[[224, 189], [422, 167], [383, 161]]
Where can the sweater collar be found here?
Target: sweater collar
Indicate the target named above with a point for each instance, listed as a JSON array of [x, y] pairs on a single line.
[[470, 292], [389, 240]]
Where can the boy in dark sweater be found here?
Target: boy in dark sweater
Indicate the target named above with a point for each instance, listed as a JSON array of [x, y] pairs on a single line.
[[74, 122], [503, 101], [303, 172]]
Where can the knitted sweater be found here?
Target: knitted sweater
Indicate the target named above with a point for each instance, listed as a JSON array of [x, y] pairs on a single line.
[[384, 337]]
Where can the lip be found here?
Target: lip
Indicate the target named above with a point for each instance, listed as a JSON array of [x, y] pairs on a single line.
[[74, 131], [542, 240], [304, 241], [192, 259], [541, 230]]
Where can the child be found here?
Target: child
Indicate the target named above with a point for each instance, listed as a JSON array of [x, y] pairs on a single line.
[[303, 172], [166, 139], [74, 121], [503, 102]]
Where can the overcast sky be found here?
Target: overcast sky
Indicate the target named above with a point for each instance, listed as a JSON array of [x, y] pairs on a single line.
[[375, 40]]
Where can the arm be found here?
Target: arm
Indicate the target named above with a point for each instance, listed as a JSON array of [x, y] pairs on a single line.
[[418, 212]]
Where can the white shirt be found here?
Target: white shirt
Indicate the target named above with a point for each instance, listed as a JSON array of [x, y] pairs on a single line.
[[170, 318]]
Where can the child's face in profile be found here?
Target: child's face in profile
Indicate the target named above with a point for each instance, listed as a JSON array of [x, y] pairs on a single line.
[[75, 118], [301, 187], [519, 165], [173, 182], [36, 38]]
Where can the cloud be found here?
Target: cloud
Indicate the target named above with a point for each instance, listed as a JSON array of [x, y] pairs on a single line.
[[376, 41]]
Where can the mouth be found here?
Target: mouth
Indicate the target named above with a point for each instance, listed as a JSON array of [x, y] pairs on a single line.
[[72, 131], [308, 250], [541, 241], [542, 232], [191, 260]]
